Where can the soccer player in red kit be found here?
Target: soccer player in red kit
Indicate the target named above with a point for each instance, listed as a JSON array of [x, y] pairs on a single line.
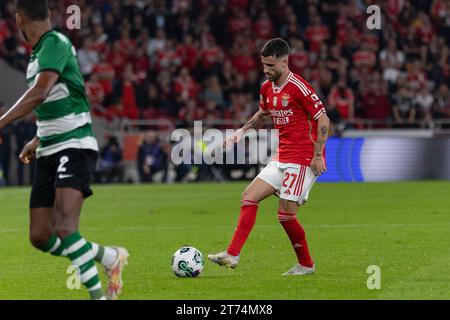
[[303, 125]]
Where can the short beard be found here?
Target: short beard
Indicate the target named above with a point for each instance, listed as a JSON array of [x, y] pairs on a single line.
[[277, 76], [24, 35]]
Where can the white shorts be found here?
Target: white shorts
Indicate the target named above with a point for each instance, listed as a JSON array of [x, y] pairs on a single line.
[[293, 182]]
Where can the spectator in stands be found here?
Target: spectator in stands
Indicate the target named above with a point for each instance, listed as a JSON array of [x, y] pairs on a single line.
[[243, 60], [336, 63], [188, 52], [106, 73], [392, 61], [441, 106], [110, 168], [152, 106], [5, 146], [416, 76], [299, 57], [145, 48], [316, 33], [87, 57], [96, 93], [365, 57], [376, 104], [424, 101], [24, 131], [158, 43], [151, 157], [403, 109], [115, 112], [185, 86], [213, 91], [342, 98], [141, 64], [211, 56], [263, 27], [127, 90]]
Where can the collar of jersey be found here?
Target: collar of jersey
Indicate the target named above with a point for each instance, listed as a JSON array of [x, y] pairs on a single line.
[[41, 38], [278, 89]]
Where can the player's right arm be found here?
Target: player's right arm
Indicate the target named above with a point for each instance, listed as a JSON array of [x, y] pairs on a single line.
[[254, 123], [35, 96], [28, 152]]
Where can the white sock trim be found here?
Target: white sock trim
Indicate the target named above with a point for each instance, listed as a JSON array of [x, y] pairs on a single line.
[[109, 257]]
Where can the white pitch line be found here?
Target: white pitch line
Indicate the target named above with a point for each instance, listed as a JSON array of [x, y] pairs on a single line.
[[7, 193], [326, 226]]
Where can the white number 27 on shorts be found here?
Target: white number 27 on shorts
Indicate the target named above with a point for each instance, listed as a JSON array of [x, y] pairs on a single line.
[[297, 183]]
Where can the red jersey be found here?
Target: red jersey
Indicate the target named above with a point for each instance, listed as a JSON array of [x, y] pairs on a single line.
[[295, 109]]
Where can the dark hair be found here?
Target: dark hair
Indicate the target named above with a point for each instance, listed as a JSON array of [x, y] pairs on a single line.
[[275, 47], [36, 10]]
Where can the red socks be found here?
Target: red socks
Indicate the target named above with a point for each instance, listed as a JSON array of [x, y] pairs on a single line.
[[289, 222], [297, 236], [246, 222]]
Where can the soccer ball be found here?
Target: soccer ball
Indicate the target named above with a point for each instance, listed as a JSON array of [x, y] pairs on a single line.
[[187, 262]]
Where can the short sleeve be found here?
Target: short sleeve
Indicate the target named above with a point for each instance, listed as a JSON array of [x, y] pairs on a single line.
[[54, 55], [309, 100], [263, 99]]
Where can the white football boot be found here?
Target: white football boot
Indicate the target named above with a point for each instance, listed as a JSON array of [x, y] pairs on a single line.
[[224, 259], [114, 273], [299, 270]]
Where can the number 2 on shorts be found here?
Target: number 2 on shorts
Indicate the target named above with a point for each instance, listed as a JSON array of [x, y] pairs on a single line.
[[62, 162]]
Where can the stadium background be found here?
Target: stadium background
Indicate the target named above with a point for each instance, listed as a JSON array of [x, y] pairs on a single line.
[[153, 66], [402, 227]]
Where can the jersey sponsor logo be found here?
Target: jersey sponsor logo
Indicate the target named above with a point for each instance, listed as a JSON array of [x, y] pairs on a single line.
[[281, 117], [281, 113], [281, 121]]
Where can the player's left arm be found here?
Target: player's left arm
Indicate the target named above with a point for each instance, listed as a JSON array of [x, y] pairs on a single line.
[[318, 163], [31, 99]]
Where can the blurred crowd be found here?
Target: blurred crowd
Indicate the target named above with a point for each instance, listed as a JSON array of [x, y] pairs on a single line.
[[185, 60]]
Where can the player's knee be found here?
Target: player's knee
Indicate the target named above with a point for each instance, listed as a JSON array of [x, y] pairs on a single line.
[[288, 206], [39, 239], [248, 195], [64, 232]]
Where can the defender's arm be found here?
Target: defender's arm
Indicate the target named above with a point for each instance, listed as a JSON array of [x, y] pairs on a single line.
[[323, 128], [256, 121], [34, 96]]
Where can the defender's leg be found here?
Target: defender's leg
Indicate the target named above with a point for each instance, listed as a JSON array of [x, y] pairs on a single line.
[[262, 187], [294, 192]]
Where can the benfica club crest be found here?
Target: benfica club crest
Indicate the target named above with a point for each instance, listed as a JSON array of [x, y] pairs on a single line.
[[285, 100]]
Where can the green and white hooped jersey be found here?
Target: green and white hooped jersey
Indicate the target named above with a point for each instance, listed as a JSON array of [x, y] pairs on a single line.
[[63, 119]]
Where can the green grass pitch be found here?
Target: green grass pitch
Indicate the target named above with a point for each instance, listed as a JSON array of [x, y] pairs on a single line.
[[401, 227]]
